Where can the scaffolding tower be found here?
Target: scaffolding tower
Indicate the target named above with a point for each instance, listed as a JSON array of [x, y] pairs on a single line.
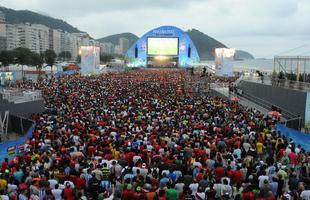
[[4, 122], [292, 65]]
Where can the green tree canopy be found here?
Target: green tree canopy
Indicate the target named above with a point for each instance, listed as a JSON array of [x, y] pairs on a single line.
[[37, 60], [22, 56], [105, 58], [65, 55], [50, 57], [6, 57]]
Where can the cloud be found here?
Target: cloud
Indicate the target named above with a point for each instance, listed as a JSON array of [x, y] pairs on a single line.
[[249, 24]]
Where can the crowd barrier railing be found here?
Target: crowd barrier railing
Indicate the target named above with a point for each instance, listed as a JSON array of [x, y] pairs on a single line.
[[298, 137], [11, 148]]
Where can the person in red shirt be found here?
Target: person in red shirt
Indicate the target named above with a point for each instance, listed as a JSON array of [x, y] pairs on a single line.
[[162, 195], [138, 194], [128, 194], [80, 183], [238, 176], [248, 194], [293, 158], [219, 172], [68, 192]]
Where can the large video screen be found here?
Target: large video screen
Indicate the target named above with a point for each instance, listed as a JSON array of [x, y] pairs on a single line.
[[163, 46]]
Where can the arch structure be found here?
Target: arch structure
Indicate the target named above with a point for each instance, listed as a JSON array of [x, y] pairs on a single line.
[[165, 46]]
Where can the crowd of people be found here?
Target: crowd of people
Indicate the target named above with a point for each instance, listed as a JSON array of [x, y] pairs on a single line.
[[139, 135]]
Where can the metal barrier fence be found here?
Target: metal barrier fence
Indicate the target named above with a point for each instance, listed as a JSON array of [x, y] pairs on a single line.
[[297, 85], [15, 95]]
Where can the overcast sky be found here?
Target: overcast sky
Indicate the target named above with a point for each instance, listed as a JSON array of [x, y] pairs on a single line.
[[262, 27]]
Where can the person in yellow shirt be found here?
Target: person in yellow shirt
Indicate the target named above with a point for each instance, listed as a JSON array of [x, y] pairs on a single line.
[[259, 149], [3, 183], [115, 153], [279, 141]]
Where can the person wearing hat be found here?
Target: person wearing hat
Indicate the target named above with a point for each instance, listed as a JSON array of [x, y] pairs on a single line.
[[128, 194], [138, 193]]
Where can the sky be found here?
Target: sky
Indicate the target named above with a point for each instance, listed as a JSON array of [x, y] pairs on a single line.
[[262, 27]]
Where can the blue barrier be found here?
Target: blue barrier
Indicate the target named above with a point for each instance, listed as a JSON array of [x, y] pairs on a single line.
[[299, 137], [68, 72], [12, 148]]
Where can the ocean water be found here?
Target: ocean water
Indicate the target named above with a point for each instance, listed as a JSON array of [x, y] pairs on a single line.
[[266, 65], [248, 65]]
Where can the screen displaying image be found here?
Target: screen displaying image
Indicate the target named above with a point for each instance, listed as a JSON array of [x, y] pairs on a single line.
[[162, 46]]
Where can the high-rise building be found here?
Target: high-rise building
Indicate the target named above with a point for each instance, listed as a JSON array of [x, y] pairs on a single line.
[[107, 48], [28, 37], [42, 33], [123, 45], [74, 46], [38, 38], [2, 18], [12, 39], [3, 37], [54, 40], [2, 32], [64, 41]]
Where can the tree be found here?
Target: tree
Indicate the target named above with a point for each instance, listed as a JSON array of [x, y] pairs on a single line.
[[38, 61], [65, 55], [50, 58], [105, 58], [22, 57], [78, 59], [6, 57]]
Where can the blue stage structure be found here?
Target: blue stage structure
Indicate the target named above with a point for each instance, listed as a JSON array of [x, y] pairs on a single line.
[[165, 43]]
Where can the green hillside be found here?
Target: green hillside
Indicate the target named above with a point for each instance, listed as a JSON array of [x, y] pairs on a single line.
[[114, 39], [24, 16]]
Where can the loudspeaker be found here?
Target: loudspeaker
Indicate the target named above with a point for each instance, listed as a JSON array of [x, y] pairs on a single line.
[[189, 52], [136, 52]]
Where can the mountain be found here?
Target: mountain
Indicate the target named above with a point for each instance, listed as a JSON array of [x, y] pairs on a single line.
[[205, 44], [242, 55], [24, 16], [114, 39]]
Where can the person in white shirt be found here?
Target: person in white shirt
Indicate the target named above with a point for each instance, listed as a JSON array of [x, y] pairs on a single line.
[[200, 194], [52, 182], [226, 189], [57, 192], [217, 187], [23, 195], [179, 187], [4, 197], [194, 187], [305, 195], [261, 179]]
